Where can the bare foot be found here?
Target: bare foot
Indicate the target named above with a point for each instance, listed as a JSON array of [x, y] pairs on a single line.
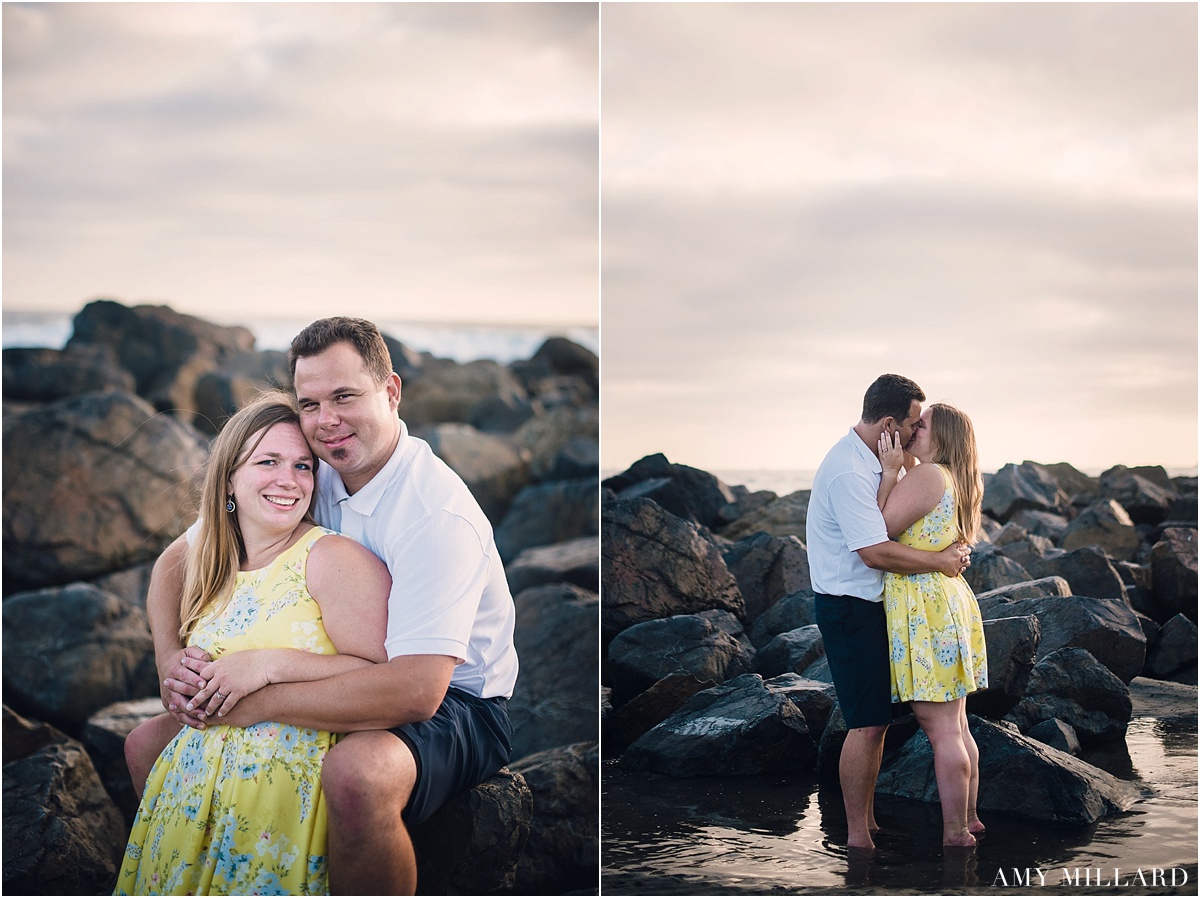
[[975, 827], [958, 840]]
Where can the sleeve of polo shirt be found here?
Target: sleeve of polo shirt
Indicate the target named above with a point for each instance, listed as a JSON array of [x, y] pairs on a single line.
[[439, 571], [856, 507]]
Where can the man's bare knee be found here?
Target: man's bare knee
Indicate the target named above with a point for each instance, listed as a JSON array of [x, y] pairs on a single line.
[[368, 774]]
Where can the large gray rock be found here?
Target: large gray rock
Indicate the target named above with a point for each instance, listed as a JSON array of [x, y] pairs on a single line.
[[563, 357], [166, 352], [1072, 686], [1089, 571], [1173, 568], [70, 651], [1030, 589], [1082, 488], [1107, 628], [992, 569], [446, 392], [1145, 493], [575, 561], [1018, 776], [547, 513], [767, 568], [791, 652], [1057, 734], [655, 565], [1024, 486], [687, 492], [646, 710], [789, 613], [1041, 523], [92, 484], [1011, 652], [562, 855], [1174, 650], [471, 845], [44, 375], [492, 467], [104, 738], [62, 834], [221, 392], [785, 516], [814, 698], [740, 727], [555, 703], [544, 437], [643, 654], [1107, 525]]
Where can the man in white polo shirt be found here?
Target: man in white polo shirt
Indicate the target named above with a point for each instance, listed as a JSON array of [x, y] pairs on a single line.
[[848, 551], [431, 721]]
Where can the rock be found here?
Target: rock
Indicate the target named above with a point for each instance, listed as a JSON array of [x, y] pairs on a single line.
[[834, 736], [407, 362], [1107, 526], [814, 698], [1082, 488], [1107, 628], [555, 703], [1017, 776], [545, 437], [1182, 513], [1024, 486], [657, 565], [643, 654], [1173, 571], [92, 484], [649, 708], [786, 516], [562, 855], [447, 392], [791, 652], [686, 492], [991, 569], [104, 738], [560, 356], [491, 466], [221, 392], [130, 585], [1057, 735], [1030, 589], [1011, 652], [1145, 493], [1174, 650], [44, 375], [1070, 685], [575, 561], [790, 612], [62, 834], [819, 671], [70, 651], [548, 513], [1089, 572], [471, 845], [166, 352], [740, 727], [767, 568], [1025, 551], [1136, 580], [502, 412], [579, 458], [1041, 523]]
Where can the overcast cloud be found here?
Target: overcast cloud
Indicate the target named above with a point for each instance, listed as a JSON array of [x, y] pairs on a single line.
[[435, 161], [998, 200]]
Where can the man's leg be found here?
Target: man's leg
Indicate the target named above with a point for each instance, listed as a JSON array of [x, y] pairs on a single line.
[[145, 743], [858, 768], [367, 779]]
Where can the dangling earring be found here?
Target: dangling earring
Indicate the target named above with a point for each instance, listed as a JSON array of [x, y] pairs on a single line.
[[229, 506]]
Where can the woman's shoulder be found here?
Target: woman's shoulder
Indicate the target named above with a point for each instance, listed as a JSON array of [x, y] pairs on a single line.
[[331, 547]]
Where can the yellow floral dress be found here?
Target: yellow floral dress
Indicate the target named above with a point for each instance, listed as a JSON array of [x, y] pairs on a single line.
[[232, 811], [935, 632]]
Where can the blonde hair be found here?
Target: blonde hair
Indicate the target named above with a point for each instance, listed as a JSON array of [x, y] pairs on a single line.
[[953, 438], [214, 558]]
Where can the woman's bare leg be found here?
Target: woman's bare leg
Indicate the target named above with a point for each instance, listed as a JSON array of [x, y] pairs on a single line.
[[942, 723], [974, 826]]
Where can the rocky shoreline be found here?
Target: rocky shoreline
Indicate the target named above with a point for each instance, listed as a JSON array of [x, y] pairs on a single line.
[[103, 442], [713, 664]]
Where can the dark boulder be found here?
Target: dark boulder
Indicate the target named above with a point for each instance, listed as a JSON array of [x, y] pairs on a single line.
[[1024, 486], [1011, 652], [1107, 525], [814, 698], [579, 458], [447, 392], [991, 569], [784, 516], [547, 513], [575, 561], [104, 738], [1145, 493], [789, 613], [1057, 734], [626, 724], [1083, 489], [92, 484], [503, 412], [740, 727], [1174, 650], [70, 651], [544, 439], [1089, 571], [222, 391], [562, 855], [1071, 686], [555, 703], [1173, 570], [767, 568], [655, 565], [1041, 523], [687, 492], [791, 652], [562, 357], [643, 654], [1030, 589], [44, 375], [1018, 776]]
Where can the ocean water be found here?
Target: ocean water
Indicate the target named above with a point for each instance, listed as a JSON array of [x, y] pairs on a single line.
[[460, 342]]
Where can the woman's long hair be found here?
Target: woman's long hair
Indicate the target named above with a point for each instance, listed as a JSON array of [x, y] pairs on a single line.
[[953, 438], [214, 558]]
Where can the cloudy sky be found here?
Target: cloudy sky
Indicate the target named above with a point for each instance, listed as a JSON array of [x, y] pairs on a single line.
[[429, 161], [997, 200]]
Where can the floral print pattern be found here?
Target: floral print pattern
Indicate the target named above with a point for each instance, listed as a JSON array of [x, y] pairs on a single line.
[[231, 811], [935, 631]]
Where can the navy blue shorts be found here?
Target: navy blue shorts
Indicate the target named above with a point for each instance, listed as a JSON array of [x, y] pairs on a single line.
[[463, 744], [855, 635]]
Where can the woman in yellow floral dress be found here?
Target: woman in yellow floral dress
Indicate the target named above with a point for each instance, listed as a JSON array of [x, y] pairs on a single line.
[[271, 597], [935, 631]]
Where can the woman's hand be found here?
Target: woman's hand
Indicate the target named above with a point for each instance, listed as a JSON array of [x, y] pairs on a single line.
[[891, 453], [230, 678]]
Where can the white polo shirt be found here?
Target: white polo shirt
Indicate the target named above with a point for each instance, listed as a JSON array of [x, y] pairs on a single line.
[[843, 517], [449, 593]]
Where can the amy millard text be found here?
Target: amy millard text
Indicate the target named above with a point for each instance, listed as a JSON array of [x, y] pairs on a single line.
[[1090, 877]]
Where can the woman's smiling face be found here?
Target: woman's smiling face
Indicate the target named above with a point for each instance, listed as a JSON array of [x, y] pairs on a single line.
[[273, 485]]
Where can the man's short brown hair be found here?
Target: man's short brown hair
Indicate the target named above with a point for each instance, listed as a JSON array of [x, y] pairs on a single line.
[[358, 332], [890, 396]]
